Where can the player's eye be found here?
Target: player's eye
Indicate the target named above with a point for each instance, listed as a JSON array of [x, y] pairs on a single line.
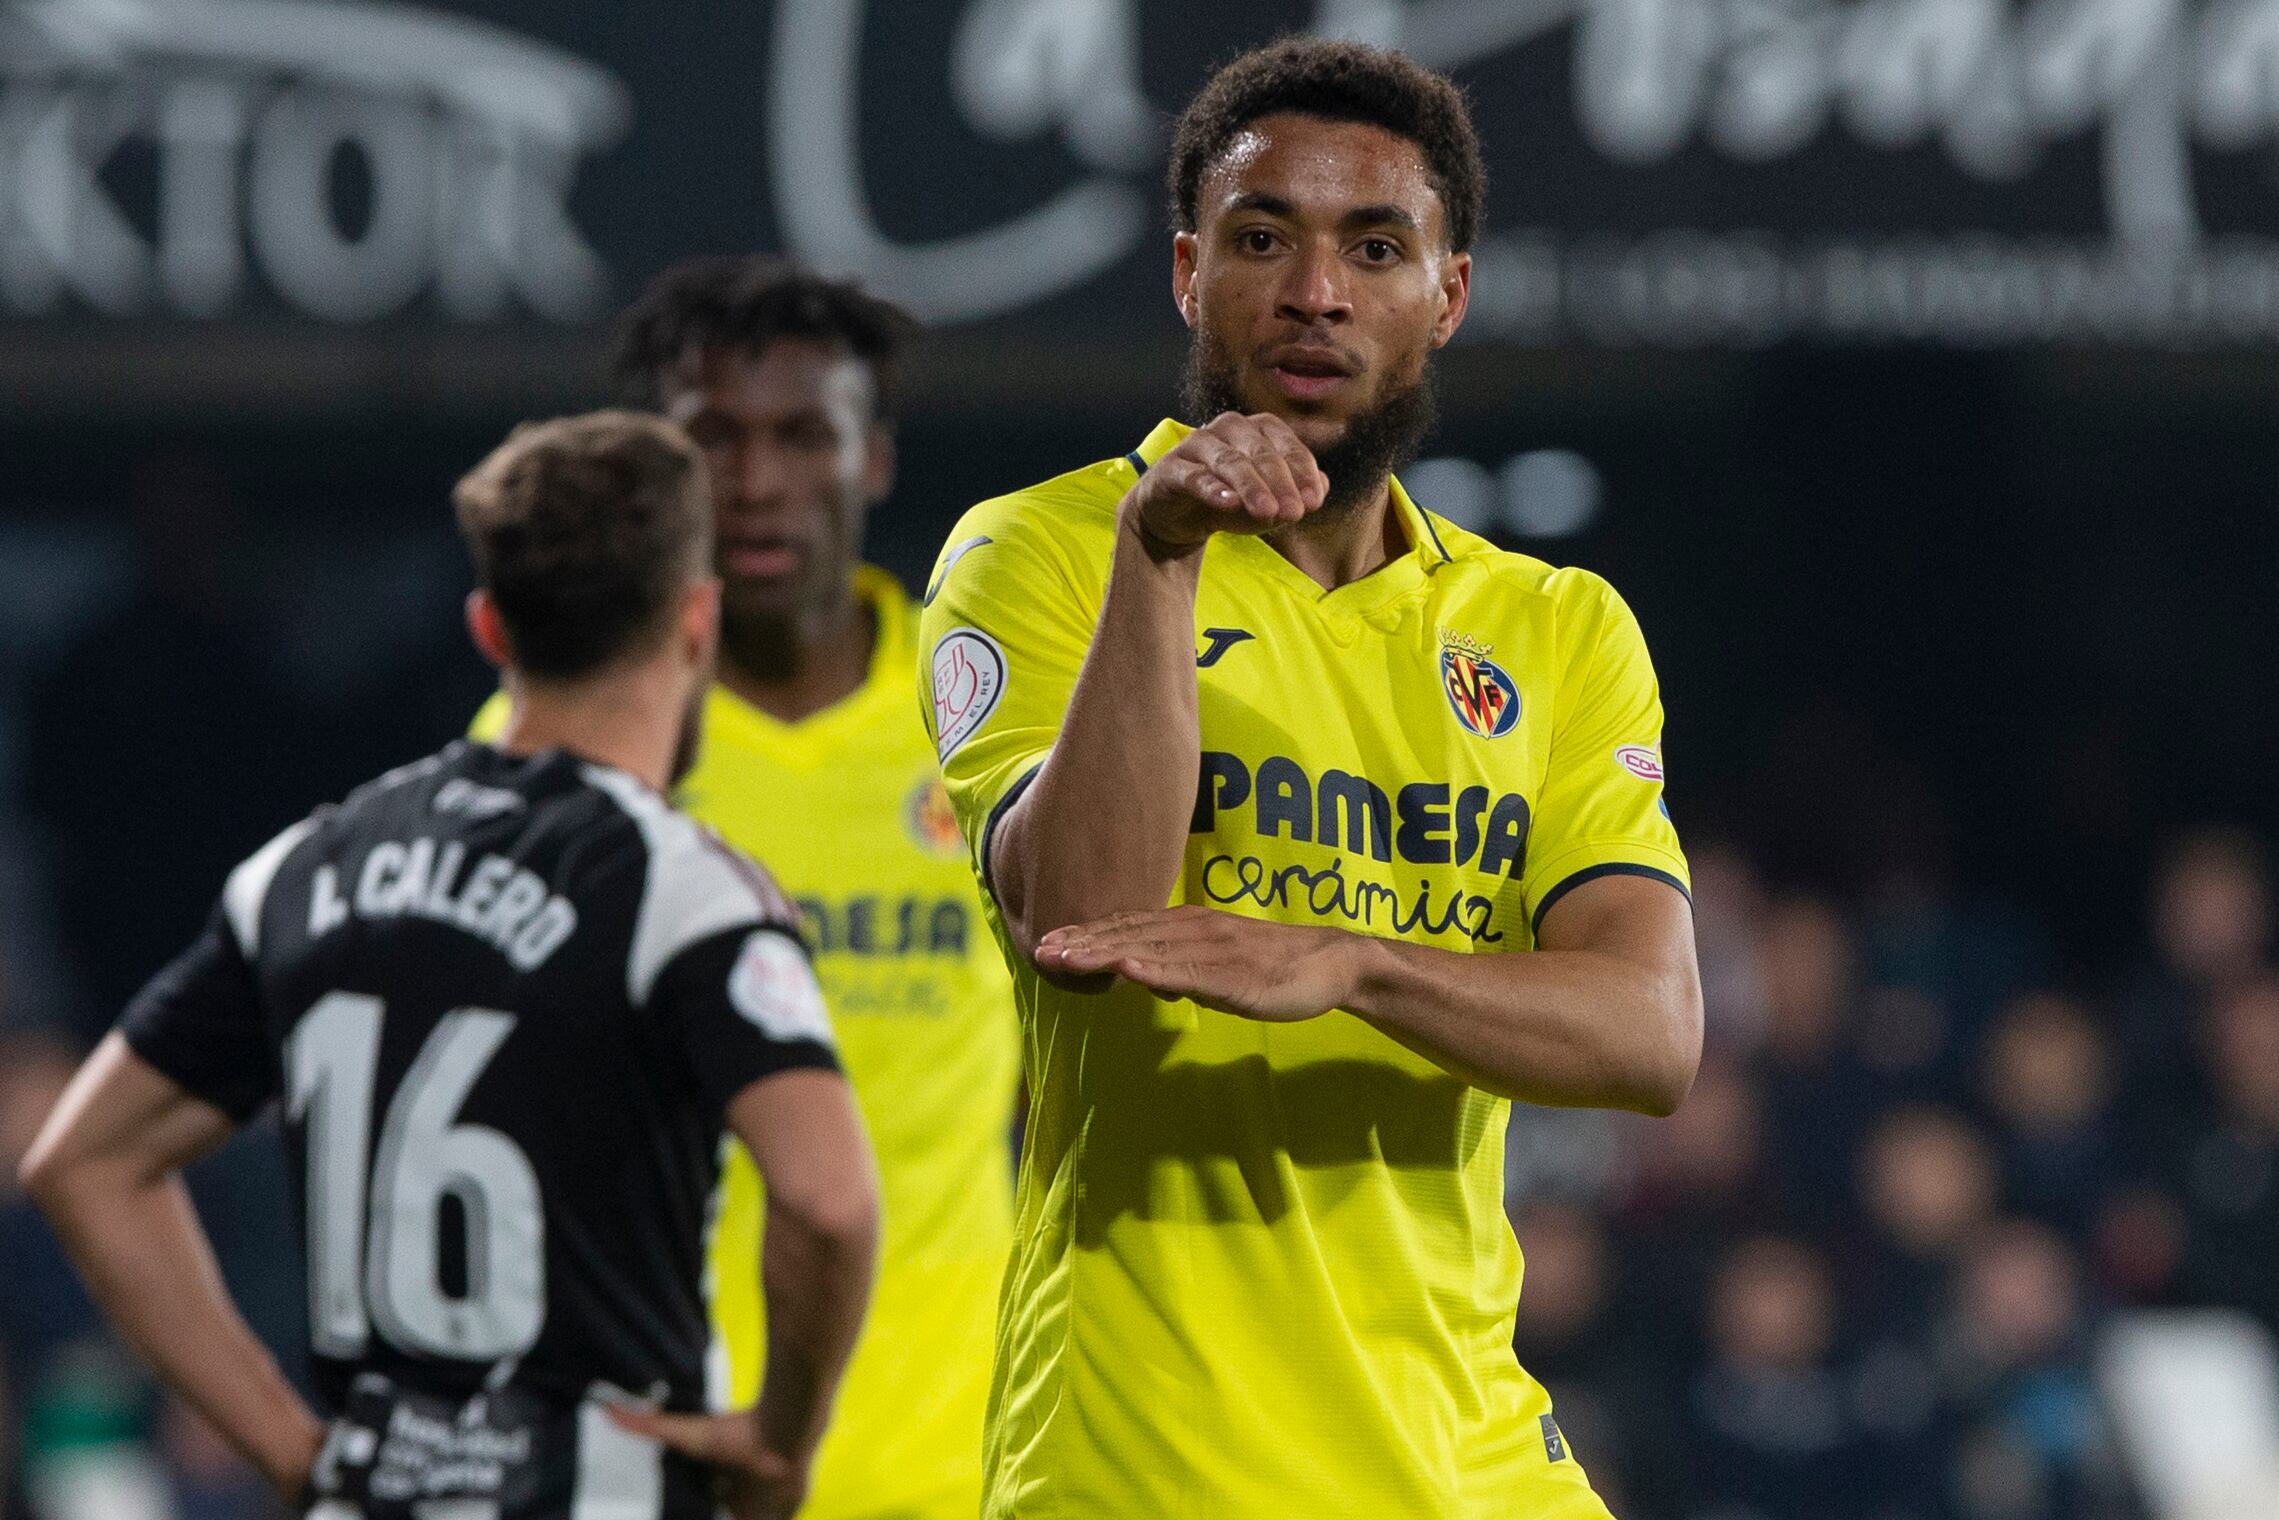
[[1255, 240], [1378, 251]]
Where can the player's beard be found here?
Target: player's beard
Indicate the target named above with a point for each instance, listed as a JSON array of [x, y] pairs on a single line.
[[764, 643], [769, 638], [1377, 440]]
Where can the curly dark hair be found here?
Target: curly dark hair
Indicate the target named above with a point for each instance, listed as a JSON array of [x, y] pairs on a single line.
[[748, 303], [1337, 81]]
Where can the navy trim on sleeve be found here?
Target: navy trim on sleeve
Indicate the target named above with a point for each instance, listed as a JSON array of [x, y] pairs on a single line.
[[1593, 873], [1137, 463], [989, 829]]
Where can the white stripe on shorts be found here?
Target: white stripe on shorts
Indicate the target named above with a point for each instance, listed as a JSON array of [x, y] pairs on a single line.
[[621, 1476]]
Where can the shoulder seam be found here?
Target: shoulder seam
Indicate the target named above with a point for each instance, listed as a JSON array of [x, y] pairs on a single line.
[[667, 836], [402, 775]]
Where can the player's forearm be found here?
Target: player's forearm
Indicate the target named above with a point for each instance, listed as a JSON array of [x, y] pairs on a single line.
[[816, 1276], [1103, 828], [1567, 1028], [148, 1264]]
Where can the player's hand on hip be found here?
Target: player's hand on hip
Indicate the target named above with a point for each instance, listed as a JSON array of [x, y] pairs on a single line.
[[757, 1482], [1234, 474], [1277, 973], [290, 1465]]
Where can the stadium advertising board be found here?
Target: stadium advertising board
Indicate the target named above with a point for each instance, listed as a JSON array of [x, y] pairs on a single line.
[[1665, 173], [189, 159]]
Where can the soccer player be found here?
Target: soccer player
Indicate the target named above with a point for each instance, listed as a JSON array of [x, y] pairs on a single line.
[[814, 762], [506, 997], [1402, 791]]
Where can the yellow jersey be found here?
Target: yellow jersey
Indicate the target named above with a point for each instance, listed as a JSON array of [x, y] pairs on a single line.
[[848, 812], [1264, 1270]]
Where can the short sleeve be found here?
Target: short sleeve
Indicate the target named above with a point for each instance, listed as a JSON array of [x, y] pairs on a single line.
[[198, 1022], [1008, 618], [744, 1004], [1601, 811]]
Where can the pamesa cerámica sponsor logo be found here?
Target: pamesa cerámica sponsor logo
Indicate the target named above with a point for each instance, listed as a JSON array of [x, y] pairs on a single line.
[[1418, 822], [1353, 820], [237, 112]]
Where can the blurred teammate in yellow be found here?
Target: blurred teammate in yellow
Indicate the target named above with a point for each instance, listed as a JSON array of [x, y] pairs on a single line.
[[1402, 791], [813, 760]]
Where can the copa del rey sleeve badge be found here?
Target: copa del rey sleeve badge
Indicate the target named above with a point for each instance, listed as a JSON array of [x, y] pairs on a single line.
[[969, 682]]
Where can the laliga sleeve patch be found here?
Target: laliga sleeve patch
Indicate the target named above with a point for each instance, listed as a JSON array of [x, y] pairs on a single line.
[[773, 986], [1640, 760], [969, 682]]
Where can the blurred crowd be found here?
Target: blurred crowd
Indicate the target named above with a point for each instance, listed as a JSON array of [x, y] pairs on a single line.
[[1860, 1276], [174, 688]]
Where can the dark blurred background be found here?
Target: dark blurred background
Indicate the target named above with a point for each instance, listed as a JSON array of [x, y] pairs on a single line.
[[1908, 364]]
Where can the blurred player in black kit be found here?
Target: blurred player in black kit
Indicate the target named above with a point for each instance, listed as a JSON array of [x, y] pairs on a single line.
[[508, 999]]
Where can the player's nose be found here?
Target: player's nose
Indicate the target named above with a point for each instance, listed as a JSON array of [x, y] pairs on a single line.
[[1313, 288], [754, 482]]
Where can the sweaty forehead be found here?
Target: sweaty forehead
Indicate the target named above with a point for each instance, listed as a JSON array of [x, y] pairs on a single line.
[[1322, 168], [787, 375]]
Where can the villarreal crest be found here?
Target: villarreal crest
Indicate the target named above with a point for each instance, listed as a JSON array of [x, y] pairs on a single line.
[[1482, 696], [931, 820]]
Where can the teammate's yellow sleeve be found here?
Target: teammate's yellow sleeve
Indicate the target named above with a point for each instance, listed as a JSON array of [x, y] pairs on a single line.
[[1003, 635], [490, 719], [1601, 810]]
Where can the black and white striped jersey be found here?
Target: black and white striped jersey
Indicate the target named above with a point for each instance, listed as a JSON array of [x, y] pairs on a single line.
[[503, 1001]]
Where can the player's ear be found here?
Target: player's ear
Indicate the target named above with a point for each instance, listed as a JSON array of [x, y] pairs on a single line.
[[699, 630], [1183, 246], [878, 464], [1455, 296], [488, 629]]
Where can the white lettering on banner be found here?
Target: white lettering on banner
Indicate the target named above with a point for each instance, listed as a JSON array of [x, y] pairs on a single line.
[[1992, 83], [825, 211], [468, 138], [1742, 290], [1024, 67]]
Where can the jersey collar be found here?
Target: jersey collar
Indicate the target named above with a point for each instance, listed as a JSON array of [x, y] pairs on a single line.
[[1424, 538], [886, 684], [896, 645]]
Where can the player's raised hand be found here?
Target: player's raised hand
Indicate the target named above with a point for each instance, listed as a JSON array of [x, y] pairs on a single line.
[[757, 1481], [1234, 474], [1276, 973]]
